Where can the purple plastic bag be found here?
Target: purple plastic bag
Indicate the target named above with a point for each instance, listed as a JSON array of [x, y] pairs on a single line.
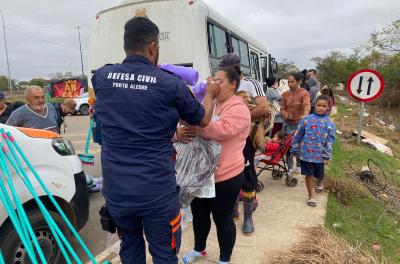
[[190, 75], [199, 90]]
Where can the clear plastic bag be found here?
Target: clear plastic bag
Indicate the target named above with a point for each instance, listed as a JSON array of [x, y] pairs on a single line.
[[186, 217], [195, 165]]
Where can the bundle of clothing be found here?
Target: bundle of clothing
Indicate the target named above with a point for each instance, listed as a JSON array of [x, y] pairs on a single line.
[[195, 165], [260, 127]]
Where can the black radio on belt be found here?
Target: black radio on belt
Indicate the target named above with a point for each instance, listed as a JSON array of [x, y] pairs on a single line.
[[107, 223]]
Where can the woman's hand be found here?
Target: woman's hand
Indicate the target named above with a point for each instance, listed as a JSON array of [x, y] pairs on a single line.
[[185, 134], [213, 87]]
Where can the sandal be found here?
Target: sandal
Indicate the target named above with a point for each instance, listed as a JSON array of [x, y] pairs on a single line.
[[312, 202], [319, 189]]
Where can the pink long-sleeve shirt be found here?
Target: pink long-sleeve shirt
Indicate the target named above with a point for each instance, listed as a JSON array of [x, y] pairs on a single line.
[[230, 128]]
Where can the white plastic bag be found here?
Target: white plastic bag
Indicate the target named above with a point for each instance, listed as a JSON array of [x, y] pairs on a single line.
[[207, 190]]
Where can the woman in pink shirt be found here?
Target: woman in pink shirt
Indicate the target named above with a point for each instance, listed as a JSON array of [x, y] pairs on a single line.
[[230, 127]]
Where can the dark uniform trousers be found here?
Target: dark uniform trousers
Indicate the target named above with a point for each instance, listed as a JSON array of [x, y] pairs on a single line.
[[159, 217]]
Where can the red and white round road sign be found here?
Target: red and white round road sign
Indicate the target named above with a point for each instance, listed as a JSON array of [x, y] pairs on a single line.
[[365, 85]]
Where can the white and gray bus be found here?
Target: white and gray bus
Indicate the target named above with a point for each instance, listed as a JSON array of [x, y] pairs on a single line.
[[191, 34]]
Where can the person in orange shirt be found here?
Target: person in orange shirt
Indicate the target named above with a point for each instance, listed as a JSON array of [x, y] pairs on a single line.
[[295, 104]]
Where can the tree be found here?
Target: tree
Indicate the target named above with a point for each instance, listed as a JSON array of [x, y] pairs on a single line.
[[4, 83], [22, 83], [332, 68], [387, 40], [285, 67], [39, 82]]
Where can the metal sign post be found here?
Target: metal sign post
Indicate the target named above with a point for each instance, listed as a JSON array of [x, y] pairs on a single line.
[[360, 125], [364, 86]]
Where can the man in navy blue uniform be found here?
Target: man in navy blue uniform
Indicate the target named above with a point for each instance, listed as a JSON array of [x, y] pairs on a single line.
[[139, 106]]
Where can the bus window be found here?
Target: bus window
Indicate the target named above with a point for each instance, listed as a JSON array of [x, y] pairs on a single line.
[[264, 68], [244, 54], [255, 66], [235, 46], [241, 49], [218, 45]]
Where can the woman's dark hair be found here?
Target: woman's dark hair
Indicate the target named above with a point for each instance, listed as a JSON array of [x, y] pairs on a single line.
[[238, 70], [298, 76], [139, 32], [322, 97], [232, 75], [270, 81], [330, 91]]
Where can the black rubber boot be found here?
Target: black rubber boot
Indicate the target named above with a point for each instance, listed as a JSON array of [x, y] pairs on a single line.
[[236, 215], [248, 207]]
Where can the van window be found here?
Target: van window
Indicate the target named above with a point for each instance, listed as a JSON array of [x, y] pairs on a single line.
[[255, 66]]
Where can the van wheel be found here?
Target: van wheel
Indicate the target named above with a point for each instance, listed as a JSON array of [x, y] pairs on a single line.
[[15, 252], [84, 109]]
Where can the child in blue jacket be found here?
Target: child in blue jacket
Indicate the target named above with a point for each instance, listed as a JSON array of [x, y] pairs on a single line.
[[313, 140]]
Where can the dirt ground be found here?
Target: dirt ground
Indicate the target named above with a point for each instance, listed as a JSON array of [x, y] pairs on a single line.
[[347, 120], [281, 212]]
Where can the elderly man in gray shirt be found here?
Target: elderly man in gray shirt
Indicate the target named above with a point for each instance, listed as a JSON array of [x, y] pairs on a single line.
[[36, 113], [314, 85]]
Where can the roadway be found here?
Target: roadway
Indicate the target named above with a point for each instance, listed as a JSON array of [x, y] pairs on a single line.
[[92, 234]]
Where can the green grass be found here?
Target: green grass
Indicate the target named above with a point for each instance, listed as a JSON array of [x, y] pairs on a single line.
[[342, 109], [356, 221], [21, 98]]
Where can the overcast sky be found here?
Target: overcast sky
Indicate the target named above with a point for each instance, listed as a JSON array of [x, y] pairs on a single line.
[[43, 39]]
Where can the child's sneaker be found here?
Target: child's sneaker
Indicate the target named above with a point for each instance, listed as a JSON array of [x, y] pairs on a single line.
[[290, 172], [192, 256], [298, 170]]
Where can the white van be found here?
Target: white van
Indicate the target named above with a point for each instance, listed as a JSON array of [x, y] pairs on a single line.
[[53, 157], [191, 34]]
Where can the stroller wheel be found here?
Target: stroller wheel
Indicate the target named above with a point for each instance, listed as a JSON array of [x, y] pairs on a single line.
[[259, 187], [291, 182], [277, 175]]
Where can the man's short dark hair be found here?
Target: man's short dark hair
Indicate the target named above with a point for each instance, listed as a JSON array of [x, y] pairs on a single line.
[[139, 32], [270, 81], [313, 70]]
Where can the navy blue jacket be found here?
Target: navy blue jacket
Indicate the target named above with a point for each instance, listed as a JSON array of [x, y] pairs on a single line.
[[138, 106]]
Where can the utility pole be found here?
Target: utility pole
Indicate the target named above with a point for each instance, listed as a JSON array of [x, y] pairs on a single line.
[[80, 48], [8, 63]]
